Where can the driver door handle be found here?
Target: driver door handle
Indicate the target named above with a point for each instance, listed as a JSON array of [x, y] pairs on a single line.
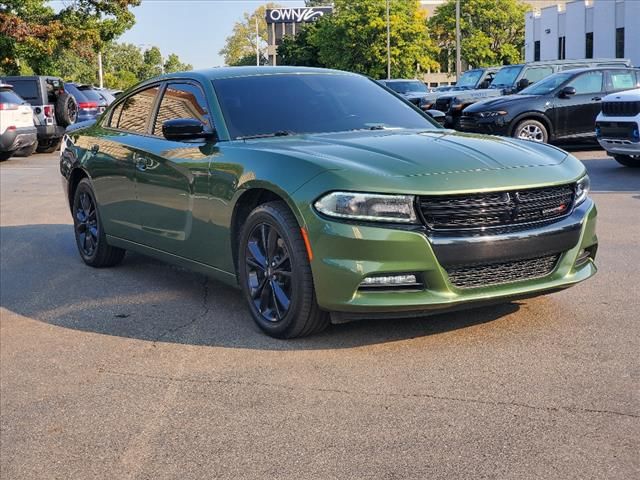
[[139, 161], [597, 99]]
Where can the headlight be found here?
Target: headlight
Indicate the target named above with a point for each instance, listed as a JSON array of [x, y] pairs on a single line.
[[491, 114], [368, 206], [582, 189]]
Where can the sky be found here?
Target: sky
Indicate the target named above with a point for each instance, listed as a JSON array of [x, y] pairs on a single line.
[[193, 29]]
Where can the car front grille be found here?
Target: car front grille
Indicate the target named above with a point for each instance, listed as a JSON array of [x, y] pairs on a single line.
[[477, 276], [442, 104], [468, 122], [496, 209], [621, 109], [616, 129]]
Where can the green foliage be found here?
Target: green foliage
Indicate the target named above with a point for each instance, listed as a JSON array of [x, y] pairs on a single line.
[[492, 30], [241, 44], [355, 38], [173, 64]]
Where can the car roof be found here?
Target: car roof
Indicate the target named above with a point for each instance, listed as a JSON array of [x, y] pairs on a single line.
[[233, 72], [30, 77], [391, 80], [596, 69]]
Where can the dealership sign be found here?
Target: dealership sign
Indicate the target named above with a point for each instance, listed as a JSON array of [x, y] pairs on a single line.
[[296, 15]]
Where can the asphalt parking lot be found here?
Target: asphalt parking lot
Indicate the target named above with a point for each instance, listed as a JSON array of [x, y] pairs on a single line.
[[147, 371]]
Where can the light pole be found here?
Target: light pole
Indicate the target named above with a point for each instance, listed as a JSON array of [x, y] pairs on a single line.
[[388, 44], [257, 44], [458, 61], [100, 74]]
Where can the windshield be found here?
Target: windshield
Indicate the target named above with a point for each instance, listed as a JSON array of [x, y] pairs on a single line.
[[406, 87], [506, 76], [547, 85], [311, 103], [469, 78]]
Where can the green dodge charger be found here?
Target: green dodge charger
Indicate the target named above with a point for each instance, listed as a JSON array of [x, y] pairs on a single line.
[[325, 197]]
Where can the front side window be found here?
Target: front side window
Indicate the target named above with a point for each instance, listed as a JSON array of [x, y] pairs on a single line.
[[590, 82], [182, 100], [311, 103], [136, 111], [548, 85]]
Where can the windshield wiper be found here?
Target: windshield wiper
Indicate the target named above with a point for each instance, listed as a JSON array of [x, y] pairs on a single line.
[[279, 133]]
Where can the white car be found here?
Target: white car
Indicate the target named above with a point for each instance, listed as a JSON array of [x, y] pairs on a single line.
[[618, 126], [17, 130]]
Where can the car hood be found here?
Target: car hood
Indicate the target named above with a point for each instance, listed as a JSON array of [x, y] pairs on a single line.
[[626, 96], [499, 102], [406, 153]]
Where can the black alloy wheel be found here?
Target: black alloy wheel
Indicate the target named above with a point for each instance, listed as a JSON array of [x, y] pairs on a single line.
[[89, 232], [269, 272], [274, 272]]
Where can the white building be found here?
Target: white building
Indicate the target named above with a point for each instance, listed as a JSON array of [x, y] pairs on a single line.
[[584, 29]]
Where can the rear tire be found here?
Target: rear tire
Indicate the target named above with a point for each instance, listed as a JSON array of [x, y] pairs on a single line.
[[5, 156], [275, 274], [49, 147], [26, 151], [531, 130], [632, 161], [91, 239]]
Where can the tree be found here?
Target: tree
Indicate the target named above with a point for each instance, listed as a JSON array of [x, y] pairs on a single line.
[[173, 64], [354, 38], [151, 64], [492, 30], [318, 3], [33, 36], [240, 46]]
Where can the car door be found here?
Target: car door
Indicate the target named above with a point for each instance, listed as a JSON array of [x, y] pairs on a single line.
[[173, 177], [576, 114], [115, 149]]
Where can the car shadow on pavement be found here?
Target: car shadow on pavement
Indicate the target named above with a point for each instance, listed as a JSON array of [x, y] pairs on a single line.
[[43, 278]]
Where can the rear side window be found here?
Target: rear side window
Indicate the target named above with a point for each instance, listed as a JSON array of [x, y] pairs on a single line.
[[536, 74], [7, 96], [27, 89], [182, 100], [590, 82], [136, 111], [622, 80]]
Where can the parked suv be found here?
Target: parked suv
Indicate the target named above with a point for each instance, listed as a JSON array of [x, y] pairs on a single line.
[[618, 126], [54, 109], [475, 79], [511, 79], [564, 105], [90, 104], [17, 132]]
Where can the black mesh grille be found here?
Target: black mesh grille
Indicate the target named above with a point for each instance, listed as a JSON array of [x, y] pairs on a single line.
[[442, 104], [476, 276], [616, 129], [496, 209], [621, 109]]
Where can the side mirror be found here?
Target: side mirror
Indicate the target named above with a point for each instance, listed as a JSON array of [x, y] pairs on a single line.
[[180, 129], [523, 83], [437, 115], [566, 92]]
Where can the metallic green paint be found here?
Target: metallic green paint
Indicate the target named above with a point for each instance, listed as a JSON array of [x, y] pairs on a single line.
[[181, 207]]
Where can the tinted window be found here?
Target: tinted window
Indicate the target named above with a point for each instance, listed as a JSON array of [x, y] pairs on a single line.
[[506, 76], [622, 80], [7, 96], [115, 115], [91, 94], [547, 85], [27, 89], [137, 110], [536, 74], [182, 100], [469, 78], [405, 87], [590, 82], [311, 103], [77, 94]]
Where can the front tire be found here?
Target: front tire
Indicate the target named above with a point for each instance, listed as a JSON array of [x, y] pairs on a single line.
[[49, 147], [91, 239], [531, 130], [5, 156], [275, 274], [632, 161]]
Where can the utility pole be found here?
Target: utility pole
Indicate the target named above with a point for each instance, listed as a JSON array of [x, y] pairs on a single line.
[[257, 44], [458, 61], [388, 44], [100, 78]]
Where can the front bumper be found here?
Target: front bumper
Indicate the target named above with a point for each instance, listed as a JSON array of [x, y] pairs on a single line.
[[490, 126], [619, 136], [344, 254], [12, 140]]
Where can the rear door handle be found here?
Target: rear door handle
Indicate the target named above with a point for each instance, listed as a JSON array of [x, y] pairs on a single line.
[[140, 162]]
